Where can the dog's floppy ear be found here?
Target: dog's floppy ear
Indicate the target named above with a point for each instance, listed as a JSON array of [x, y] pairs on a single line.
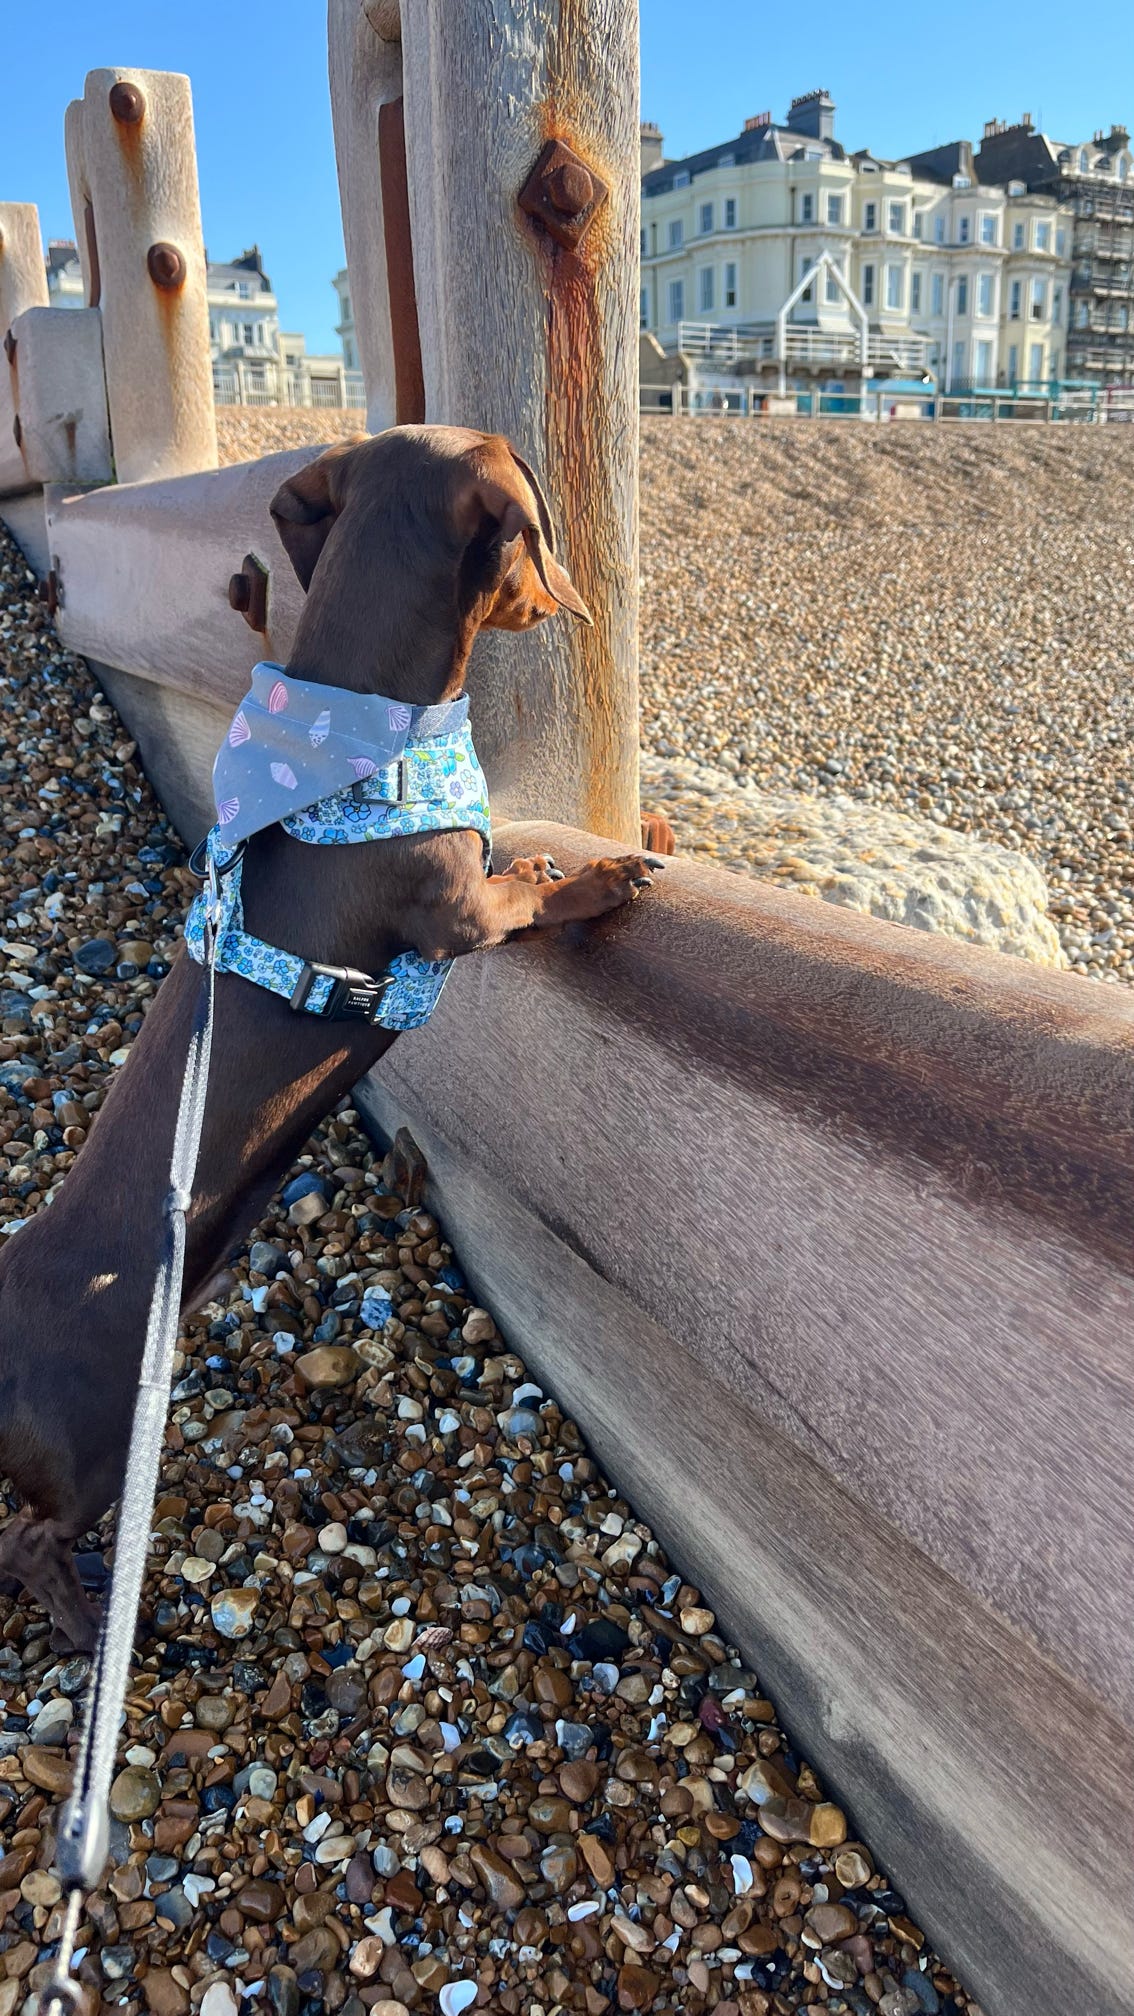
[[306, 506], [541, 545]]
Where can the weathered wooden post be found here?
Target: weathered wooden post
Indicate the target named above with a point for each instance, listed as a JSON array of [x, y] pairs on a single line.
[[133, 171], [365, 53], [23, 284], [521, 142]]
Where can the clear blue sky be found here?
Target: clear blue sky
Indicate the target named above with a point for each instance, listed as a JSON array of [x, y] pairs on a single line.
[[259, 74]]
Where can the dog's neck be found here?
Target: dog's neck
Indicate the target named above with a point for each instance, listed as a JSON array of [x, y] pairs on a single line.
[[411, 646]]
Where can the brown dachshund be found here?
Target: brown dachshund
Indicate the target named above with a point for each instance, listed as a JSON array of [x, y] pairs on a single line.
[[408, 544]]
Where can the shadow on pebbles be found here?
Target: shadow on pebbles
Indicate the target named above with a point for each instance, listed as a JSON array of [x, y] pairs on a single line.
[[421, 1717]]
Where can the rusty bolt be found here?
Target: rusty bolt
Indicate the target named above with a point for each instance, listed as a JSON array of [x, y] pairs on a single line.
[[571, 188], [127, 103], [10, 347], [166, 265], [248, 593], [48, 592], [563, 193]]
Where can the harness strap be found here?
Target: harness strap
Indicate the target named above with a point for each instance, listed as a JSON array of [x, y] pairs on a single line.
[[84, 1830]]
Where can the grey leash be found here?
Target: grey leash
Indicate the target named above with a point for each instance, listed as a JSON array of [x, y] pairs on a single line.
[[84, 1830]]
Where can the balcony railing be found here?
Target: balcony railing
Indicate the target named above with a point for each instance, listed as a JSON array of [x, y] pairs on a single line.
[[729, 343]]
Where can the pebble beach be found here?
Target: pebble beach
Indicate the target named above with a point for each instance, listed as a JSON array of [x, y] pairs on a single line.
[[421, 1718]]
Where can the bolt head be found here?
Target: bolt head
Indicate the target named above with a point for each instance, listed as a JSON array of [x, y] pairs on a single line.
[[570, 188], [239, 592], [127, 103], [166, 265]]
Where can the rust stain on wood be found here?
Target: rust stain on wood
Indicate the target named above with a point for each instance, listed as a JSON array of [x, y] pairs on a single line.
[[578, 472], [405, 334]]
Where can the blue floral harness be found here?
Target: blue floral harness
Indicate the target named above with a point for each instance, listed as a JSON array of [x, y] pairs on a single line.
[[434, 785]]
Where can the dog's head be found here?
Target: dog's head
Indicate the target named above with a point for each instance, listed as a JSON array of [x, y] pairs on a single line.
[[443, 510]]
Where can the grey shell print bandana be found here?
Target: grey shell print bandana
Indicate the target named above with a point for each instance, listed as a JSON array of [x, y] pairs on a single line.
[[293, 741]]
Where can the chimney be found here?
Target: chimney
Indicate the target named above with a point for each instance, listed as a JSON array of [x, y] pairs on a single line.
[[813, 115], [653, 146]]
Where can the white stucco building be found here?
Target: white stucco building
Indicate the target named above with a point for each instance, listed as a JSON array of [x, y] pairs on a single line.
[[920, 272]]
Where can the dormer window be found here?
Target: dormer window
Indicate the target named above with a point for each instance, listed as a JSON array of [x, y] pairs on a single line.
[[727, 161], [962, 182], [681, 179], [1084, 162]]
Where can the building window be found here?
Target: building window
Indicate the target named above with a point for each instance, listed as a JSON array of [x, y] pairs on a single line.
[[958, 360], [964, 229], [1039, 300], [642, 247], [1043, 237], [1084, 161], [895, 289], [939, 229], [868, 286], [705, 290], [984, 362], [1082, 316], [870, 216], [1013, 363], [730, 213], [984, 294], [963, 294], [898, 218], [832, 291], [1060, 241], [1014, 300], [807, 209], [1123, 167], [1035, 362], [676, 300], [804, 269], [730, 284], [676, 234], [918, 225], [937, 293], [706, 218], [643, 310], [834, 209], [681, 179], [1057, 304], [249, 333], [915, 294], [989, 230], [244, 289], [727, 161], [1017, 237]]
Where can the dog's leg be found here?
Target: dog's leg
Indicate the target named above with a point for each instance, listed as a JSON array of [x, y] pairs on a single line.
[[36, 1554]]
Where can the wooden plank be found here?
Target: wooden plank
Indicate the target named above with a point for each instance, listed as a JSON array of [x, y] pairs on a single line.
[[144, 570], [523, 337], [993, 1789]]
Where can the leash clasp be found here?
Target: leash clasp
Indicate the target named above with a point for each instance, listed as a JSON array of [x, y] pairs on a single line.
[[351, 997]]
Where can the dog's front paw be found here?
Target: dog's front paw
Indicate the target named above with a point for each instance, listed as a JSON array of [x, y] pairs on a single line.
[[536, 868], [607, 885]]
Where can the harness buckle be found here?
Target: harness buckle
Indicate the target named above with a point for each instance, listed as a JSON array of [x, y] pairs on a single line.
[[352, 997]]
